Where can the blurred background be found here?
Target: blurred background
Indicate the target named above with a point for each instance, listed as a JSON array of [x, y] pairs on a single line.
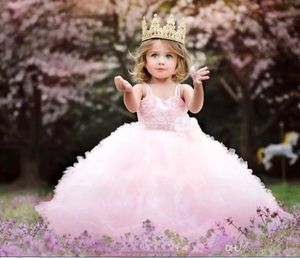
[[58, 60]]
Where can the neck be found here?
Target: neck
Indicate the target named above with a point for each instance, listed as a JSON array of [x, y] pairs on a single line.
[[157, 81]]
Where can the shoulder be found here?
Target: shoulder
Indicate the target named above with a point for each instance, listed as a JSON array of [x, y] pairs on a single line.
[[186, 89], [139, 86], [140, 89]]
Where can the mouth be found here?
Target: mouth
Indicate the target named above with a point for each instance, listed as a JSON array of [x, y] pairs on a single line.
[[160, 69]]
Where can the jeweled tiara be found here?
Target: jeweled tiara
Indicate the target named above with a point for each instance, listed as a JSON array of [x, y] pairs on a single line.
[[168, 31]]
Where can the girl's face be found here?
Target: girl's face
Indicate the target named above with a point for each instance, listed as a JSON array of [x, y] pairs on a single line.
[[161, 62]]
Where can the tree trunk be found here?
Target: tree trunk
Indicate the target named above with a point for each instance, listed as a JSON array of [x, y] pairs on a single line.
[[247, 134], [247, 137], [30, 124], [29, 169]]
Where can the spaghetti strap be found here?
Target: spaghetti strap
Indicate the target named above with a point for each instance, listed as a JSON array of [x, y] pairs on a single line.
[[177, 90], [149, 92]]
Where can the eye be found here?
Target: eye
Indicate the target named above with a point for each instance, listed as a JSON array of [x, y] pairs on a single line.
[[169, 56], [154, 55]]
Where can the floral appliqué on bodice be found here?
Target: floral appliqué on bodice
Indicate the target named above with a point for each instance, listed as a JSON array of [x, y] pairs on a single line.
[[164, 114]]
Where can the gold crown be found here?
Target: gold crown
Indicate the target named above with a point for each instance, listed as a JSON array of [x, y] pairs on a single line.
[[166, 32]]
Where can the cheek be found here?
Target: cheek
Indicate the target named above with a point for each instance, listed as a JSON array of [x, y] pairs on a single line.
[[149, 66], [149, 62], [175, 64]]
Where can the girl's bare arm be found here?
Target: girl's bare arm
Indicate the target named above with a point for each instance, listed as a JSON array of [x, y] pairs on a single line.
[[132, 94], [133, 98], [193, 98]]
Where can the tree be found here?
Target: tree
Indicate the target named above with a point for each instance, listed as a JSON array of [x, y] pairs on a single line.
[[53, 53], [46, 64], [260, 45]]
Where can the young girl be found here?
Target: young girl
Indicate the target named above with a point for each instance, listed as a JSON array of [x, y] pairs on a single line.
[[162, 167]]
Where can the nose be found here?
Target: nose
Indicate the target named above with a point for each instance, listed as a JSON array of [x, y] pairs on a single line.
[[161, 60]]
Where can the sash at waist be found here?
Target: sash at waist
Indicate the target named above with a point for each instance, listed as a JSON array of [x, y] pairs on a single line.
[[181, 124]]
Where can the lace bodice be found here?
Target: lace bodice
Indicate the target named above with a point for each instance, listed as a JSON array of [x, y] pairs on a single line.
[[158, 113]]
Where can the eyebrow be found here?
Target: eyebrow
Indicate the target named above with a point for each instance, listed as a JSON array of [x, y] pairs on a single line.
[[152, 51]]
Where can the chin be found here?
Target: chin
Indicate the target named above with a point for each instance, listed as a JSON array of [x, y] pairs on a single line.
[[162, 77]]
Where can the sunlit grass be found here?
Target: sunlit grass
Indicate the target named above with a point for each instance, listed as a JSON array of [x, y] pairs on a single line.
[[21, 210]]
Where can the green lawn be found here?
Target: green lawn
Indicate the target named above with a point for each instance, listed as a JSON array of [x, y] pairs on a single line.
[[289, 194]]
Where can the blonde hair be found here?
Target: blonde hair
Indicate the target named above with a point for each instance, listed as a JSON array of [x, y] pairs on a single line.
[[140, 73]]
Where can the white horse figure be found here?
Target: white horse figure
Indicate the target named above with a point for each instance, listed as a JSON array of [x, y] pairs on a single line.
[[264, 155]]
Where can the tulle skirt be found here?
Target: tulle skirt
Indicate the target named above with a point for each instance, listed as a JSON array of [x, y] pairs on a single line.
[[184, 181]]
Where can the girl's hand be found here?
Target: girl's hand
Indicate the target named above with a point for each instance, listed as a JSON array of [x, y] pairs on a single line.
[[122, 85], [199, 76]]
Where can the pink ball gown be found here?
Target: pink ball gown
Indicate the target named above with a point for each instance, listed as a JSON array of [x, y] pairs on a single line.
[[162, 168]]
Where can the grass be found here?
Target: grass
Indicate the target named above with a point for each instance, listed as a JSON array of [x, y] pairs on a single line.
[[287, 193], [7, 192], [21, 211]]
